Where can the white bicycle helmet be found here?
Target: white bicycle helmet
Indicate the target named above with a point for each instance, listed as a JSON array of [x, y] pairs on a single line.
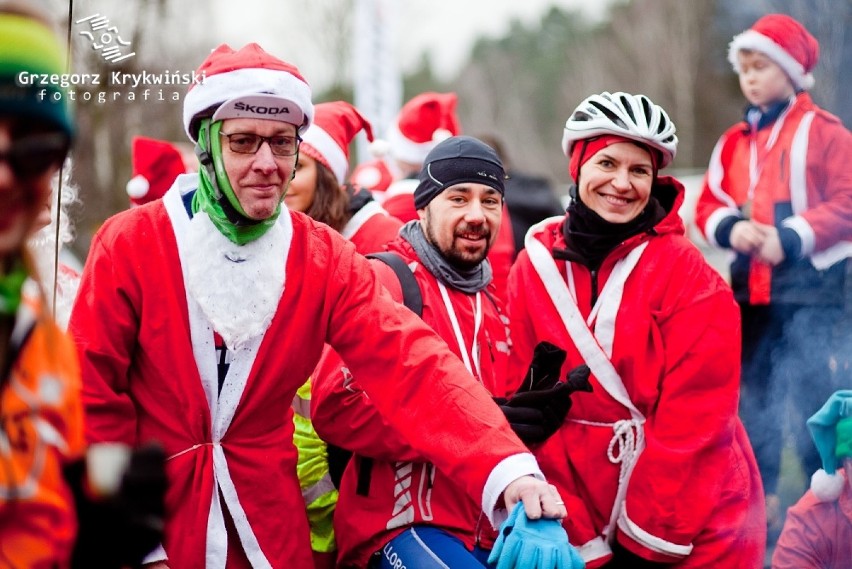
[[632, 116]]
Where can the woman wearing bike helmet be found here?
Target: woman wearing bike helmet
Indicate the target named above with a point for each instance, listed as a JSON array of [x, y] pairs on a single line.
[[654, 464]]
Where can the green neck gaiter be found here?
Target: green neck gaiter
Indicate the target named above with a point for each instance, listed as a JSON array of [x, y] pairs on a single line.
[[11, 285], [216, 197]]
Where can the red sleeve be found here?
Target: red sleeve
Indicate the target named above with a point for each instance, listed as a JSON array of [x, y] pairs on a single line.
[[830, 181], [104, 325], [410, 374], [342, 413]]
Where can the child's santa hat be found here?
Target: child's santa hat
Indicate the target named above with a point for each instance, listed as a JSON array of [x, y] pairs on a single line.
[[156, 164], [335, 126], [422, 123], [831, 430], [249, 83], [786, 42]]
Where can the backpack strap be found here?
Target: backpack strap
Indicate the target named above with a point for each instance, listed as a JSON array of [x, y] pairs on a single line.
[[412, 298]]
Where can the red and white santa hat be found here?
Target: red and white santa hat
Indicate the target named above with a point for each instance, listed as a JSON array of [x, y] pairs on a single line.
[[156, 164], [249, 83], [374, 175], [422, 123], [335, 126], [786, 42]]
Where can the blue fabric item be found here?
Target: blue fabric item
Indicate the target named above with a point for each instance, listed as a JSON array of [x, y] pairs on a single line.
[[426, 547], [533, 544]]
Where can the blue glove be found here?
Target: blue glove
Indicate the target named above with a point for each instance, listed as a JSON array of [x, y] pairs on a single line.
[[533, 544]]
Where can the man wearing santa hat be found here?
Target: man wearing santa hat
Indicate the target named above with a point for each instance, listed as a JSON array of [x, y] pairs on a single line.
[[778, 193], [219, 261]]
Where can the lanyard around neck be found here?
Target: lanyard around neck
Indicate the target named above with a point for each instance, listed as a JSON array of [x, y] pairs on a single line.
[[477, 322]]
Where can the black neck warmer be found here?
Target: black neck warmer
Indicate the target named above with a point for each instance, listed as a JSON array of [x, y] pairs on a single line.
[[590, 238]]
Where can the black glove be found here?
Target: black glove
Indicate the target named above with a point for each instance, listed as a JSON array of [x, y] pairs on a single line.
[[544, 368], [120, 529], [536, 415]]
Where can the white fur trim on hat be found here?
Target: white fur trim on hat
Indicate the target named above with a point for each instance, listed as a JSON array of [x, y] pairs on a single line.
[[138, 186], [405, 149], [827, 487], [244, 85], [753, 40], [323, 143]]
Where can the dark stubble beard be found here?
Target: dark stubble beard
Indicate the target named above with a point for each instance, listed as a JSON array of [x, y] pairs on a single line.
[[453, 256]]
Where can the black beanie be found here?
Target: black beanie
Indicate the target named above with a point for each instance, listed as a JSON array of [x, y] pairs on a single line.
[[457, 160]]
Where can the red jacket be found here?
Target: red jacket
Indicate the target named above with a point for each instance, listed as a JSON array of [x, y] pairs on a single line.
[[804, 183], [817, 535], [344, 415], [664, 352], [371, 228], [148, 362]]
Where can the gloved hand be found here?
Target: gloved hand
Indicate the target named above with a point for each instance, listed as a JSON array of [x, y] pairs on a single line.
[[544, 368], [536, 415], [119, 526], [533, 544]]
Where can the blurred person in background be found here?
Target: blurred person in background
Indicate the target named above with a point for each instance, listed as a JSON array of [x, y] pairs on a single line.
[[654, 463], [817, 533], [319, 188], [778, 193], [201, 338]]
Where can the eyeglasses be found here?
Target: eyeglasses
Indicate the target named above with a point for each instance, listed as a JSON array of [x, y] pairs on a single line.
[[250, 143], [30, 156]]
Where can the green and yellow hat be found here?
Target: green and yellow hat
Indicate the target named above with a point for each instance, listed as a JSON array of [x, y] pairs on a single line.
[[32, 62]]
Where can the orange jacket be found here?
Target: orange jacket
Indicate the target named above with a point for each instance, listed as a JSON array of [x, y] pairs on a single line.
[[42, 418]]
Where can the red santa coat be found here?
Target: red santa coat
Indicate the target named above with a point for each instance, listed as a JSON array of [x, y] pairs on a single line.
[[656, 453], [149, 369], [817, 535], [795, 174], [371, 228], [406, 489]]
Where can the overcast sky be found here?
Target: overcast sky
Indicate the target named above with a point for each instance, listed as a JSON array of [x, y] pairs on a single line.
[[446, 29]]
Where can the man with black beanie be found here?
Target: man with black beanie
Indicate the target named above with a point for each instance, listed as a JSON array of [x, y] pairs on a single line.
[[395, 506]]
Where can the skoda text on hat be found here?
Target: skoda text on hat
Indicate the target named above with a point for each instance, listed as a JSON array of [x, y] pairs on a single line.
[[249, 83], [786, 42], [458, 160]]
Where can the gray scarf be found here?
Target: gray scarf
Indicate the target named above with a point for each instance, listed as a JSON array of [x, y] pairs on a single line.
[[468, 281]]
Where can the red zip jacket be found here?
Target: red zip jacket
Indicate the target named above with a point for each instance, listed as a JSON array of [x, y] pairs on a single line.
[[405, 488]]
